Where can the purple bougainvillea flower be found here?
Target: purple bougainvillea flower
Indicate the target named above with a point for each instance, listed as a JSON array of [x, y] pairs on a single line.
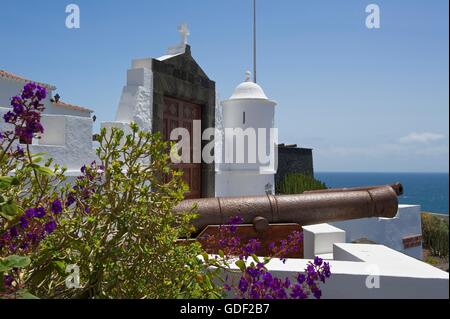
[[301, 278], [16, 100], [50, 226], [243, 285], [9, 117], [28, 90], [30, 213], [56, 206], [8, 280], [32, 237], [267, 277], [23, 222], [298, 293], [70, 200], [317, 293], [41, 93], [318, 261], [18, 109], [39, 212], [253, 272], [13, 232]]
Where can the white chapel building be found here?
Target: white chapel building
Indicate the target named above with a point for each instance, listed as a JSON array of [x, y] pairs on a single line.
[[67, 136]]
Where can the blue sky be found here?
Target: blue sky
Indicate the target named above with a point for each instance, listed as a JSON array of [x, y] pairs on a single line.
[[365, 100]]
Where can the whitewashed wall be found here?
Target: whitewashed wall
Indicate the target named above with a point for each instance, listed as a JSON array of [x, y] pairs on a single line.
[[136, 101], [371, 272], [387, 231], [66, 139]]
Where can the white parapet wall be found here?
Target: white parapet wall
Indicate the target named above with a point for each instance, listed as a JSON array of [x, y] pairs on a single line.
[[66, 139], [395, 233], [360, 271]]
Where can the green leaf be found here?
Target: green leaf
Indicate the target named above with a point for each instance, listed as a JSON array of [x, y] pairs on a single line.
[[241, 264], [25, 294], [37, 159], [60, 266], [15, 181], [14, 261], [255, 258], [221, 254], [10, 211], [5, 182], [38, 154], [6, 179], [205, 257], [4, 268], [45, 171]]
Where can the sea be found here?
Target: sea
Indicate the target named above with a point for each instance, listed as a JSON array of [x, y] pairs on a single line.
[[430, 190]]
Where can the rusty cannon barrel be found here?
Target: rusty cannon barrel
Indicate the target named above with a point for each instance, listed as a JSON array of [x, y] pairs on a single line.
[[397, 187], [303, 209]]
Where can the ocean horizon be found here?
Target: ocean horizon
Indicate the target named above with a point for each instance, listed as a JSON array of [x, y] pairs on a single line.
[[429, 190]]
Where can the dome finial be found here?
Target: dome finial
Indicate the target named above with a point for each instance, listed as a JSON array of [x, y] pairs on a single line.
[[248, 76]]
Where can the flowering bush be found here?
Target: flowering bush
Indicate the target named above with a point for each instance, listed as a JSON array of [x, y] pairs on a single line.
[[111, 224], [121, 231], [30, 193], [256, 282]]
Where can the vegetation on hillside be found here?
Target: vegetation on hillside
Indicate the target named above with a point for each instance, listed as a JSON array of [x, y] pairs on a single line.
[[295, 183], [435, 234]]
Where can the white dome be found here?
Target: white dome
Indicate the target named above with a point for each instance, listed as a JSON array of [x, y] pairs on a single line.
[[248, 90]]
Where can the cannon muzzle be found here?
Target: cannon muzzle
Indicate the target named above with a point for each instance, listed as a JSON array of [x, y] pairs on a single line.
[[304, 209]]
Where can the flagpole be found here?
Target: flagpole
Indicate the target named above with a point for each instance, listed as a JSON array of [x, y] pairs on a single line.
[[254, 41]]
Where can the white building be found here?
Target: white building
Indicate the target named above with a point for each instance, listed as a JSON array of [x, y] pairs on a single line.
[[67, 136], [248, 163]]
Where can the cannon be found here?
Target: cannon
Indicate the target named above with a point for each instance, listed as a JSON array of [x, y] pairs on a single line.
[[272, 218], [304, 209]]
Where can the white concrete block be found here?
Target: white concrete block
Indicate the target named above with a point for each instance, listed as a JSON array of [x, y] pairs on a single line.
[[319, 239]]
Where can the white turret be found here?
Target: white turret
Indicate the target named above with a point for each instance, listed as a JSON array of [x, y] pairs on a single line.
[[249, 147]]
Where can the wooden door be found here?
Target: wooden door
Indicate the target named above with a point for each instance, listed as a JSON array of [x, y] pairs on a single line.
[[178, 113]]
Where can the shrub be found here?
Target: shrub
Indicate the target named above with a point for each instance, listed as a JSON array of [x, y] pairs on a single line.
[[435, 232], [111, 224], [121, 231], [295, 183], [30, 197]]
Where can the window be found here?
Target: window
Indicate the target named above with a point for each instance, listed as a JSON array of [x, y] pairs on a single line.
[[243, 118]]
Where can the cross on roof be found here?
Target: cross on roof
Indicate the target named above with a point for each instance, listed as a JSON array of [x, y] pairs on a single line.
[[184, 33]]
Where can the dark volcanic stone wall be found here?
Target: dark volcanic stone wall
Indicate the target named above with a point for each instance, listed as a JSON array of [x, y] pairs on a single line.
[[182, 78], [294, 160]]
